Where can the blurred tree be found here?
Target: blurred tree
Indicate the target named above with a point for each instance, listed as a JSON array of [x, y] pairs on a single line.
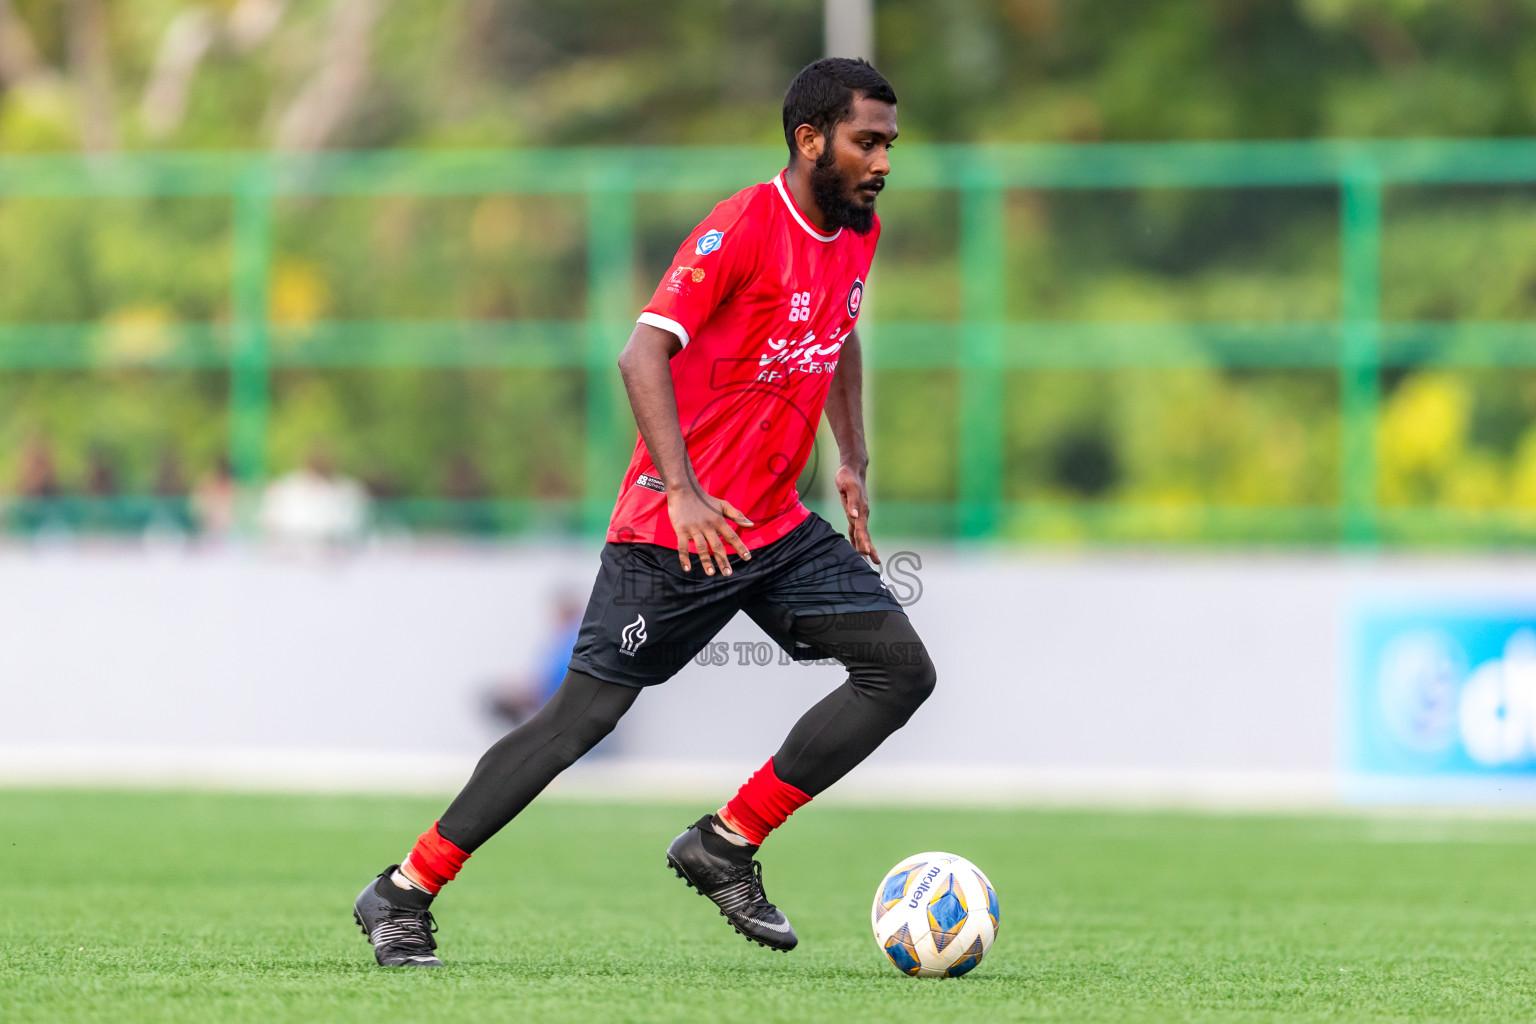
[[308, 74]]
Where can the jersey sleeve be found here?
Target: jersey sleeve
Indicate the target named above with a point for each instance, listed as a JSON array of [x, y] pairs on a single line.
[[711, 266]]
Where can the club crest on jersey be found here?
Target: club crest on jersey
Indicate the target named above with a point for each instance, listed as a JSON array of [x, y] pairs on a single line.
[[855, 299], [632, 636], [708, 242]]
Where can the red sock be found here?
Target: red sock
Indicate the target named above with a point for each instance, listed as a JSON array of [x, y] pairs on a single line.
[[434, 861], [763, 804]]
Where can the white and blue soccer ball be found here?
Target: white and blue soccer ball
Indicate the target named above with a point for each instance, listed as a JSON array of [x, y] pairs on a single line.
[[935, 915]]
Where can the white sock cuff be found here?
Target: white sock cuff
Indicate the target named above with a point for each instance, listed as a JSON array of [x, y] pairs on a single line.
[[401, 879], [725, 832]]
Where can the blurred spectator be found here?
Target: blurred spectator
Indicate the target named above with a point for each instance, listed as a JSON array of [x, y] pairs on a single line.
[[552, 482], [465, 486], [100, 474], [170, 514], [215, 502], [513, 701], [384, 491], [315, 505], [169, 481], [37, 486], [381, 485], [103, 513], [39, 473], [463, 481]]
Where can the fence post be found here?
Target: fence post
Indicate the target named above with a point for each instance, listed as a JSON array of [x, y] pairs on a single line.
[[1360, 355], [983, 253], [250, 391], [610, 282]]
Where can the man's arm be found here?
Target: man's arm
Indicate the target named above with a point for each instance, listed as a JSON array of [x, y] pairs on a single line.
[[845, 412], [645, 365]]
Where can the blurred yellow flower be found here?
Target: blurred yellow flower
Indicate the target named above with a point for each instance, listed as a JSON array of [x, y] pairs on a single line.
[[1476, 481], [1423, 434], [300, 294], [1523, 472]]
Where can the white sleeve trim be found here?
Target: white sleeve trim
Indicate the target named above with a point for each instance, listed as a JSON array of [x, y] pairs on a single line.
[[657, 320]]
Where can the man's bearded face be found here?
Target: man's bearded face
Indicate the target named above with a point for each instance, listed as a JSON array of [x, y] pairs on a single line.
[[847, 199]]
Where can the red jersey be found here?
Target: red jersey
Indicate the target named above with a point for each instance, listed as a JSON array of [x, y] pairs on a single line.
[[762, 303]]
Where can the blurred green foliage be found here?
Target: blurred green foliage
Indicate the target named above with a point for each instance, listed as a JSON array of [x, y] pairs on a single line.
[[1079, 445]]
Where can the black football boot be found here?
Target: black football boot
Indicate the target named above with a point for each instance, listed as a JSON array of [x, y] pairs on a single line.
[[729, 875], [397, 922]]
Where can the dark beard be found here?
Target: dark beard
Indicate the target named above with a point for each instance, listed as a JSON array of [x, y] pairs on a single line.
[[831, 194]]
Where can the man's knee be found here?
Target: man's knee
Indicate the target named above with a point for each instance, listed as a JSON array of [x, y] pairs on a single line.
[[905, 677], [914, 679], [902, 672]]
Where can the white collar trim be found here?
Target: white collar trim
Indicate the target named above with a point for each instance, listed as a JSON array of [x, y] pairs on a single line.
[[778, 183]]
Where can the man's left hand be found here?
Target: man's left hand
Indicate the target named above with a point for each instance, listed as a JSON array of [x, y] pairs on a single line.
[[850, 487]]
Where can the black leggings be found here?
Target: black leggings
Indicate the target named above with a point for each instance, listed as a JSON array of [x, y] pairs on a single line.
[[889, 676]]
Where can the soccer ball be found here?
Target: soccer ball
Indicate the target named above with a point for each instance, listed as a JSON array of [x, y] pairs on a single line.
[[935, 915]]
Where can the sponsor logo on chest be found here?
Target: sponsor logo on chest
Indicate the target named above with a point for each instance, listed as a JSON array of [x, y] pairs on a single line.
[[806, 353]]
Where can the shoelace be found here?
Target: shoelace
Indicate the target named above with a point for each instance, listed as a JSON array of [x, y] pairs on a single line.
[[748, 892], [760, 902], [404, 929]]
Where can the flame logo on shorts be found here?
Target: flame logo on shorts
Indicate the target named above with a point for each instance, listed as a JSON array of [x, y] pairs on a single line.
[[632, 636]]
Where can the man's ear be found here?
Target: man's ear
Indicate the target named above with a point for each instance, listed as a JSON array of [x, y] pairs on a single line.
[[809, 142]]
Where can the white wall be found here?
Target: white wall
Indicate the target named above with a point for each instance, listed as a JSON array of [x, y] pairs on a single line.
[[1061, 676]]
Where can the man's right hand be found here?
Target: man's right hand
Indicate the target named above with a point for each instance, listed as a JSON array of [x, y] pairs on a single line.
[[696, 521]]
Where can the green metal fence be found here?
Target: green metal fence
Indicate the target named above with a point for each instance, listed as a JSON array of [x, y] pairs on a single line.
[[983, 342]]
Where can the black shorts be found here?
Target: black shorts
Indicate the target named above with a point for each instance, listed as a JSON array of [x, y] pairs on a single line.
[[647, 617]]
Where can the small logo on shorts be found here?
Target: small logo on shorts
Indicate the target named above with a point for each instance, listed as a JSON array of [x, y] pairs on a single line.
[[708, 242], [855, 299], [632, 636], [650, 483]]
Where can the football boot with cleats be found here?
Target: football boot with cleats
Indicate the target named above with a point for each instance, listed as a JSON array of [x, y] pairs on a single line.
[[732, 877], [397, 922]]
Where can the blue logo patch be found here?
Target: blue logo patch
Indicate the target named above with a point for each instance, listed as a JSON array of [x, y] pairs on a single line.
[[709, 241], [1443, 691]]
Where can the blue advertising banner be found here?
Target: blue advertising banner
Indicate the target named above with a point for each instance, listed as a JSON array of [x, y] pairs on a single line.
[[1442, 694]]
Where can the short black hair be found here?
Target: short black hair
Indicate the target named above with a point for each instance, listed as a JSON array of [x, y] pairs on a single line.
[[822, 94]]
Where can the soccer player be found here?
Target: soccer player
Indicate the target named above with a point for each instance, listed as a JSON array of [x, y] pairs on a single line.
[[749, 337]]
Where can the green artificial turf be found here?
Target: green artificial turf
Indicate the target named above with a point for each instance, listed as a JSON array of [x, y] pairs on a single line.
[[206, 908]]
